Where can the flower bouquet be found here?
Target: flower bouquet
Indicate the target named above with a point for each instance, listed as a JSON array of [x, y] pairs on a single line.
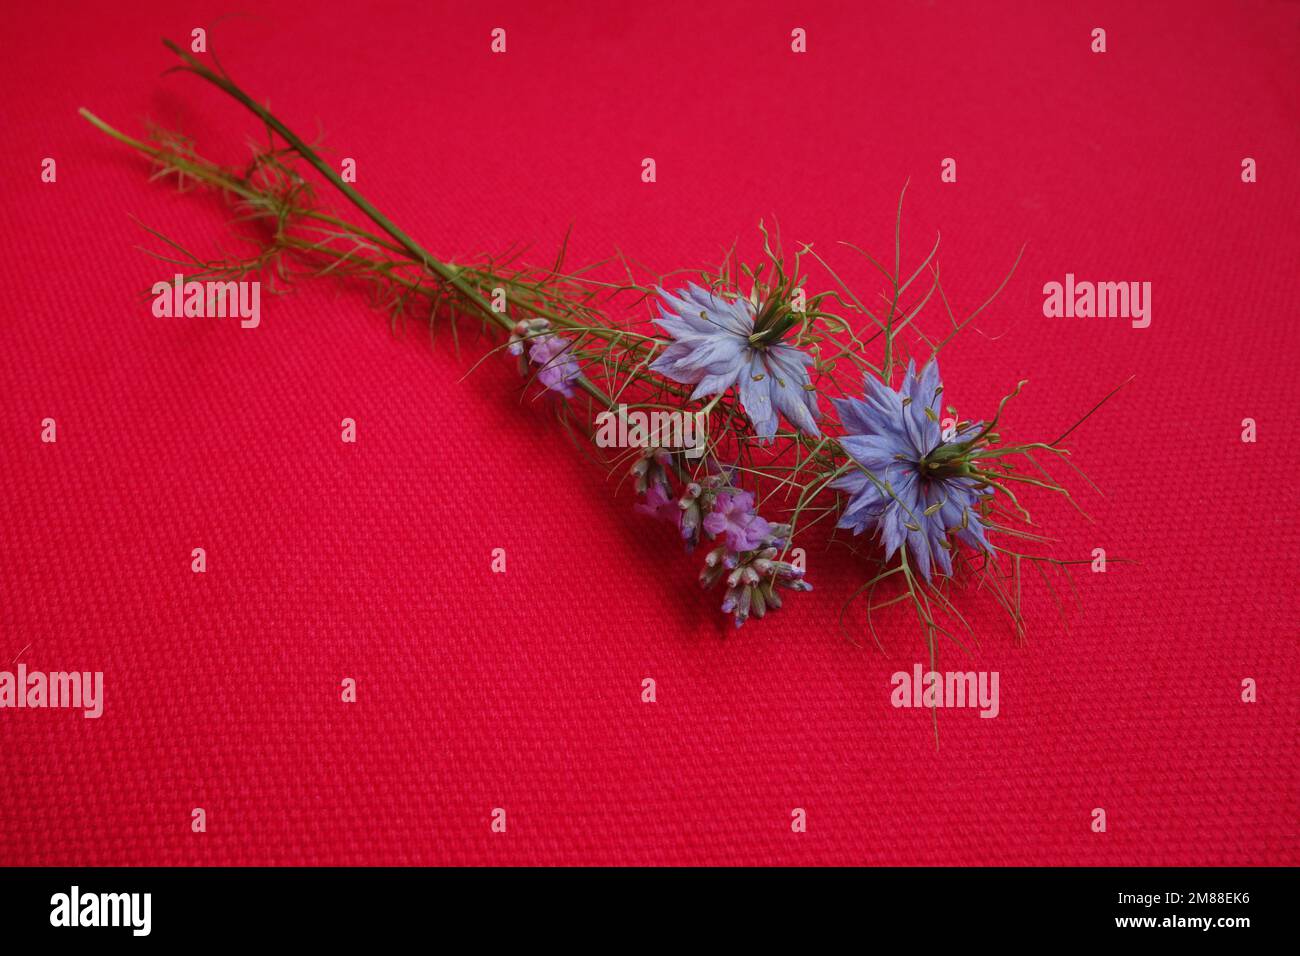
[[750, 411]]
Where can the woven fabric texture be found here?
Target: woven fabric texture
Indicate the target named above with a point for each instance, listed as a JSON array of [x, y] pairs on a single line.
[[522, 690]]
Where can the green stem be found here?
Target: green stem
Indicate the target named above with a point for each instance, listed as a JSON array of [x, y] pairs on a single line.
[[447, 273], [441, 269]]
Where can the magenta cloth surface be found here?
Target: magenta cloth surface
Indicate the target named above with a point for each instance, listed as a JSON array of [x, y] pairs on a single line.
[[523, 690]]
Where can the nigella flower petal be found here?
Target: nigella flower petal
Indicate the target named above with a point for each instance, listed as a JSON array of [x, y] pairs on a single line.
[[796, 401], [941, 555], [682, 314], [756, 397], [898, 513], [879, 412], [909, 379], [854, 482], [974, 534], [918, 543], [714, 354], [675, 363], [864, 509], [892, 532], [926, 385], [925, 544], [913, 428], [874, 452], [924, 407], [733, 315], [679, 327], [712, 384], [854, 415], [706, 313]]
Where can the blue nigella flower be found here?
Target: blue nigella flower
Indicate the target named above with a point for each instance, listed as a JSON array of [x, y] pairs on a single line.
[[717, 343], [733, 515], [922, 490]]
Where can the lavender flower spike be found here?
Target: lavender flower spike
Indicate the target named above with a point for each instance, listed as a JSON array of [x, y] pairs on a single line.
[[558, 369], [754, 578], [919, 489], [717, 343]]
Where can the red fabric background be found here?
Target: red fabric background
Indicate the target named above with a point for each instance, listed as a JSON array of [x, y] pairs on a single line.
[[522, 690]]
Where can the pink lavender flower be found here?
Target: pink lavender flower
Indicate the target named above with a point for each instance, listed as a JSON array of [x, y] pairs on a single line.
[[733, 516], [559, 368], [660, 506], [911, 486], [717, 344], [549, 350]]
